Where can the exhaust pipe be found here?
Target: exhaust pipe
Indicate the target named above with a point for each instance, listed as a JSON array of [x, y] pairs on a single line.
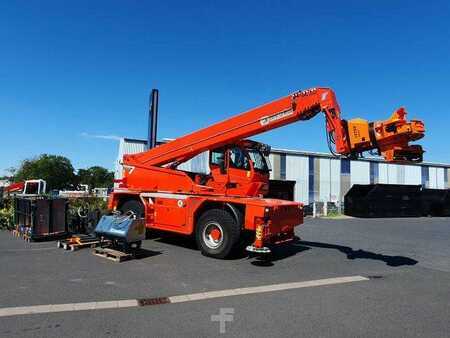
[[153, 119]]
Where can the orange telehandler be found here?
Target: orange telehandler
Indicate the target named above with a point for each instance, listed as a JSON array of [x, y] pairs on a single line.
[[220, 207]]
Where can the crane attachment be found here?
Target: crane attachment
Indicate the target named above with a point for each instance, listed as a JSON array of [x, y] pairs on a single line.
[[390, 137]]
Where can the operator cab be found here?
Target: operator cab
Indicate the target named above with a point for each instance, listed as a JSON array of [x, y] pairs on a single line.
[[241, 168]]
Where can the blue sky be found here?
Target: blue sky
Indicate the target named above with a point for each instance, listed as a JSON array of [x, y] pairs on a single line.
[[73, 69]]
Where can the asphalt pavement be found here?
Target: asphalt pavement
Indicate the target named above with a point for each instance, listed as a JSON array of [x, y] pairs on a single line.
[[404, 288]]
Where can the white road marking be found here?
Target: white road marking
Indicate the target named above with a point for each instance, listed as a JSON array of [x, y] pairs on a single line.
[[28, 249], [28, 310], [265, 288]]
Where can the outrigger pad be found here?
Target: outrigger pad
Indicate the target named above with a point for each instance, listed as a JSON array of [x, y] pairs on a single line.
[[254, 249]]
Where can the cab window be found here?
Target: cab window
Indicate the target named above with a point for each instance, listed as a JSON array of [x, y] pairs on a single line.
[[259, 162], [238, 159], [218, 157]]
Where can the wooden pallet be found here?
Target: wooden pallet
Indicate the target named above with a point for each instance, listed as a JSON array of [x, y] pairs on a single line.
[[77, 246], [78, 242], [111, 254]]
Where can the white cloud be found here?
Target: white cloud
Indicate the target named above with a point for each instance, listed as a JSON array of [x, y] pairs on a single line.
[[104, 137]]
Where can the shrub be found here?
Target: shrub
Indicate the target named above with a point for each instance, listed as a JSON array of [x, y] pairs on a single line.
[[6, 216]]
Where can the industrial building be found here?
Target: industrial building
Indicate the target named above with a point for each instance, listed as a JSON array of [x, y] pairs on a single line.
[[321, 177]]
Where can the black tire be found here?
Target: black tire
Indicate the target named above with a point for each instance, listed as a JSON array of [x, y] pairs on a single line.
[[134, 206], [225, 222]]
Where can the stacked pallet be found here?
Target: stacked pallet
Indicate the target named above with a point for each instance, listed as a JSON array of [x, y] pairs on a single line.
[[81, 241]]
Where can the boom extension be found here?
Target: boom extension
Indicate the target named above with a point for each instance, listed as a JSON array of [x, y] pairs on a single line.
[[350, 138]]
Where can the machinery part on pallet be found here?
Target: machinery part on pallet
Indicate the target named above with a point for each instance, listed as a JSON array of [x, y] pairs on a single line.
[[124, 228], [80, 241]]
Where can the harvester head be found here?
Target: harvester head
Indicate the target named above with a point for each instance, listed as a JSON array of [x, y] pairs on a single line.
[[390, 137]]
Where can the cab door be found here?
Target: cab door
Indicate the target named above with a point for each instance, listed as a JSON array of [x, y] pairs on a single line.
[[239, 172], [219, 169]]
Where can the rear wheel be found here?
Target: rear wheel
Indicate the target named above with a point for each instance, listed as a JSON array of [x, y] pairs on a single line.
[[133, 206], [217, 233]]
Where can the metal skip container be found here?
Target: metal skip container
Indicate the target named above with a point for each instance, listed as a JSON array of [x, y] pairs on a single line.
[[123, 228]]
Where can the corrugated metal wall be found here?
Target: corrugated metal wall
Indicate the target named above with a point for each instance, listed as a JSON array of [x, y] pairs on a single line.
[[328, 180], [329, 186], [320, 177], [198, 164], [297, 170], [359, 172], [412, 174]]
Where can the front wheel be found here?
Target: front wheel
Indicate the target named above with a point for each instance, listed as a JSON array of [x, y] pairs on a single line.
[[217, 233]]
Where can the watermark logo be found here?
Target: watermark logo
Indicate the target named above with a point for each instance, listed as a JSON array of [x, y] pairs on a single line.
[[226, 314]]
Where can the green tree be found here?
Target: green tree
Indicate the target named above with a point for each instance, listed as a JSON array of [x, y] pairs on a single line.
[[57, 171], [96, 177]]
